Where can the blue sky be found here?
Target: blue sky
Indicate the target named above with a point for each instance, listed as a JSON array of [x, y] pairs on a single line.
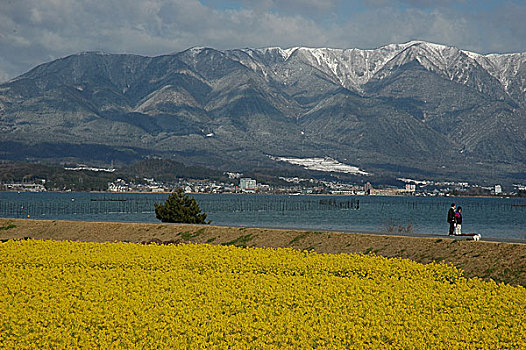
[[36, 31]]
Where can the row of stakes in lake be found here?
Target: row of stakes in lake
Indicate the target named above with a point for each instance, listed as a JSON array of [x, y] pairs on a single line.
[[133, 206]]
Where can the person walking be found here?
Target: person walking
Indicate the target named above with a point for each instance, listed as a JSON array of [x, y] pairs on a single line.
[[451, 219], [458, 221]]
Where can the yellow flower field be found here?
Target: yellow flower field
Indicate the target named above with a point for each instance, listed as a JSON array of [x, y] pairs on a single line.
[[67, 295]]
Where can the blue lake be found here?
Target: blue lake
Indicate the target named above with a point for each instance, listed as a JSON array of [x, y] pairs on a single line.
[[499, 218]]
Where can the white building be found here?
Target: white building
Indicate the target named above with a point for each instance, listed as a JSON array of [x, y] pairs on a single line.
[[410, 187], [498, 189], [247, 184]]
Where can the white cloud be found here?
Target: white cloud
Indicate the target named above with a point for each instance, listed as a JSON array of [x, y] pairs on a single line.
[[313, 8]]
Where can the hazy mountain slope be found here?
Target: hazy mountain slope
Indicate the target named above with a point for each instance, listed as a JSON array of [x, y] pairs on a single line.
[[435, 109]]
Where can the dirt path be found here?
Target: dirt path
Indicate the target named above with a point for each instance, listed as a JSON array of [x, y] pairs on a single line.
[[502, 262]]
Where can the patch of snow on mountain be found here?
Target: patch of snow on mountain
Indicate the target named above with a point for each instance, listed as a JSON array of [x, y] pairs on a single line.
[[326, 164], [286, 53], [473, 55], [283, 53], [437, 47], [504, 67], [196, 50]]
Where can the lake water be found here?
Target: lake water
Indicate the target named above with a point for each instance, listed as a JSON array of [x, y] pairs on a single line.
[[498, 218]]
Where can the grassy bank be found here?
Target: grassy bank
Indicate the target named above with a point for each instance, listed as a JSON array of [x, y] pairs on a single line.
[[502, 262]]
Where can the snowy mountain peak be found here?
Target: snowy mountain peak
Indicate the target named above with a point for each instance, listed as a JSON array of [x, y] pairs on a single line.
[[427, 44], [353, 68], [285, 53], [196, 49]]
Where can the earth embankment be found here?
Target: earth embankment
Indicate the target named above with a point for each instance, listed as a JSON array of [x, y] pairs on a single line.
[[502, 262]]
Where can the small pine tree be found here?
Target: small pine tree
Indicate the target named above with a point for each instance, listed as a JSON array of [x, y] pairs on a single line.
[[179, 207]]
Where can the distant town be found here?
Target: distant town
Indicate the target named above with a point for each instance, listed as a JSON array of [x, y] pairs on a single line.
[[237, 183], [312, 186]]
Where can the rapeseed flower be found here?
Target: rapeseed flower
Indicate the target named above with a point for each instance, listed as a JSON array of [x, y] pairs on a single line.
[[65, 295]]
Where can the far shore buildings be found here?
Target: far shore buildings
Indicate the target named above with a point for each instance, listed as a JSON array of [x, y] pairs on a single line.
[[390, 191], [24, 187]]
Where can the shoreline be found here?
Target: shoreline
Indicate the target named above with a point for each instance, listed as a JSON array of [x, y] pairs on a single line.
[[280, 194], [499, 261]]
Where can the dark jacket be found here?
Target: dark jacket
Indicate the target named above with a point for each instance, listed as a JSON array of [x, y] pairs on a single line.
[[458, 218], [451, 215]]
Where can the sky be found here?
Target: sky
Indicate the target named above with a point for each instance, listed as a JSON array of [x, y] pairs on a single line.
[[37, 31]]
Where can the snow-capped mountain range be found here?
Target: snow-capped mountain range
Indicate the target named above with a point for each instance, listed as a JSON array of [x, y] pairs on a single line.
[[416, 108], [353, 68]]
